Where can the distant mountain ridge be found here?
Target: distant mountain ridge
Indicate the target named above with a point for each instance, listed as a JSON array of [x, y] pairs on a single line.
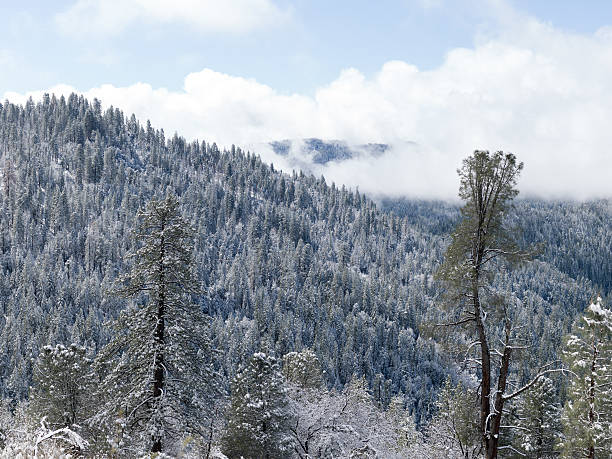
[[324, 151]]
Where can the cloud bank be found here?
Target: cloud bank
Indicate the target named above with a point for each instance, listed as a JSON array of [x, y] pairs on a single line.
[[111, 17], [540, 93]]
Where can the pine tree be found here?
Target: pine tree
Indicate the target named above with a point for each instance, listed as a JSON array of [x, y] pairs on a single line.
[[481, 242], [259, 419], [454, 430], [406, 434], [303, 368], [539, 421], [160, 383], [587, 416], [62, 386]]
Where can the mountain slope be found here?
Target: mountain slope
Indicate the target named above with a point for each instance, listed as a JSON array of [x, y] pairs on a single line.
[[285, 261]]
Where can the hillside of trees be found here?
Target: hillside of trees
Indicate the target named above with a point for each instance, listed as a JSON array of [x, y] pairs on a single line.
[[286, 265]]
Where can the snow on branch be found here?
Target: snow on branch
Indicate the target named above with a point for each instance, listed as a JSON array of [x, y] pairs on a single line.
[[533, 381], [66, 434]]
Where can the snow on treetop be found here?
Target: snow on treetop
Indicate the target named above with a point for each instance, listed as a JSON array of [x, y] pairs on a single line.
[[603, 315], [597, 308]]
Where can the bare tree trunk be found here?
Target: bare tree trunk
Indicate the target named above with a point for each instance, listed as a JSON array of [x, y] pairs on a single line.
[[210, 436], [489, 423], [493, 444], [158, 376], [485, 389], [592, 398], [485, 353]]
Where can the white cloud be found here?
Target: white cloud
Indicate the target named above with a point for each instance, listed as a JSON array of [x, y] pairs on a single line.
[[102, 17], [540, 93]]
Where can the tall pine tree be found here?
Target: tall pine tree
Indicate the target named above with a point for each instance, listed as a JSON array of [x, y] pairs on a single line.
[[482, 243], [160, 382]]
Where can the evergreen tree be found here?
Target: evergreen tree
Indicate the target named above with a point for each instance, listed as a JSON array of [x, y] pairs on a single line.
[[480, 242], [539, 421], [62, 386], [259, 418], [454, 430], [587, 416], [406, 434], [303, 368], [160, 381]]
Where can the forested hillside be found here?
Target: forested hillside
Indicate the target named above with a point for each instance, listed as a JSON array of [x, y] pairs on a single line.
[[576, 235], [286, 261]]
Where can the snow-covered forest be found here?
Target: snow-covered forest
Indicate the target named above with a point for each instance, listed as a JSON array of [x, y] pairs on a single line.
[[302, 317]]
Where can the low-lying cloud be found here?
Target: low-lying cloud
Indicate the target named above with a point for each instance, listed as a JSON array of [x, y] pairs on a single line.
[[543, 94]]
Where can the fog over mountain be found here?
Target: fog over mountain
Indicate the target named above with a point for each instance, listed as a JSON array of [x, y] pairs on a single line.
[[404, 169]]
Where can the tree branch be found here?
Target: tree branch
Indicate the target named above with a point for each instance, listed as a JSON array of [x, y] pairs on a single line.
[[532, 382]]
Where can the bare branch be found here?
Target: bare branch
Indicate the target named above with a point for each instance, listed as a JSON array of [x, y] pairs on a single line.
[[532, 382], [510, 447], [460, 322]]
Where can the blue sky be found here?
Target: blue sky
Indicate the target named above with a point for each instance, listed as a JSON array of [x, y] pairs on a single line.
[[449, 76], [304, 49]]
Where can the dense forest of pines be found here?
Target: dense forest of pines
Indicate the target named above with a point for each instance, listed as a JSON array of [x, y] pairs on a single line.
[[299, 280]]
